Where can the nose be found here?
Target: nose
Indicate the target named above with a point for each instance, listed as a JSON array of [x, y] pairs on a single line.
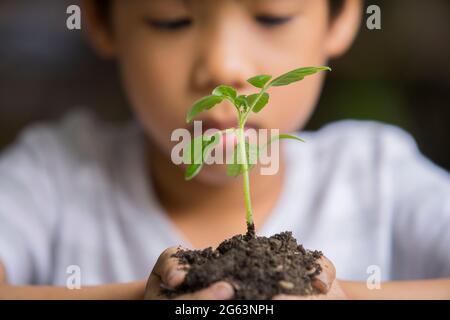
[[222, 57]]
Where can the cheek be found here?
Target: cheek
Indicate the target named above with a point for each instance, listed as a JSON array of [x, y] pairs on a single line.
[[290, 107], [302, 45], [298, 44], [150, 82], [155, 80], [146, 96]]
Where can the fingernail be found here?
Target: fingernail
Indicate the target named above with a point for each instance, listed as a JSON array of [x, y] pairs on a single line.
[[175, 277], [322, 282], [223, 290]]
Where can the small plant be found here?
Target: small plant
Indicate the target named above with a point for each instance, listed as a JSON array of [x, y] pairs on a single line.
[[244, 105], [257, 267]]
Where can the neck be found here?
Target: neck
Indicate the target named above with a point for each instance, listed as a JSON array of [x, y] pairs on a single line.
[[180, 198]]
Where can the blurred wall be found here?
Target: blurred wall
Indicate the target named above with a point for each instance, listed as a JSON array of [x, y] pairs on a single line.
[[399, 75]]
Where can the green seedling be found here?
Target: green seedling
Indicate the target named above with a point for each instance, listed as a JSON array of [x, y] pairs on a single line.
[[201, 146]]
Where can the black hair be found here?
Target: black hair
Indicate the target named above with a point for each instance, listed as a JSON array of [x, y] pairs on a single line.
[[103, 7], [335, 7]]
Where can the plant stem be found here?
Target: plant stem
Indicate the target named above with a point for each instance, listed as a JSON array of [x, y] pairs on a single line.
[[245, 173], [250, 109]]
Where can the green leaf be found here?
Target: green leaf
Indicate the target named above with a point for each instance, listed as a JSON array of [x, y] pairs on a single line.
[[235, 168], [260, 103], [198, 151], [225, 92], [259, 81], [192, 170], [204, 103], [296, 75], [281, 137], [253, 152], [286, 136], [194, 151], [240, 101]]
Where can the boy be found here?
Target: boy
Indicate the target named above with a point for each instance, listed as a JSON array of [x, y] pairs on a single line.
[[109, 200]]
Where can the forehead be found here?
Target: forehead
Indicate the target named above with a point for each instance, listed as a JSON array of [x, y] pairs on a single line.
[[190, 3]]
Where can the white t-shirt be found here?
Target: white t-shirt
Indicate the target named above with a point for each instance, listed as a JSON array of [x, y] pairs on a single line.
[[75, 193]]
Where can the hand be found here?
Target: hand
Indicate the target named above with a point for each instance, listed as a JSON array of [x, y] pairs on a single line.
[[2, 274], [169, 273], [326, 282]]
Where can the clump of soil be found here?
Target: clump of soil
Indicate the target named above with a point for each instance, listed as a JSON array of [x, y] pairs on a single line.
[[257, 267]]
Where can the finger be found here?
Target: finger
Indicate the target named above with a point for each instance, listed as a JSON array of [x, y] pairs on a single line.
[[153, 289], [168, 269], [289, 297], [325, 278], [292, 297], [2, 274], [335, 293], [218, 291]]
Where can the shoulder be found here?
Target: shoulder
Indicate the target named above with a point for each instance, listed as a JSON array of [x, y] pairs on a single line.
[[76, 155], [364, 155], [78, 137], [48, 170], [369, 152], [366, 142], [366, 135]]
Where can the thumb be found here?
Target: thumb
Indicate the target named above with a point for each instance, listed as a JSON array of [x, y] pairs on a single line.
[[326, 277], [2, 274]]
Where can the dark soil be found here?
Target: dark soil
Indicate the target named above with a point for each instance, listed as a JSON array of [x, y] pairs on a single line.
[[257, 267]]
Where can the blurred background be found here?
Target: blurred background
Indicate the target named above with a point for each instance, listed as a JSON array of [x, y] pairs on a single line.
[[398, 75]]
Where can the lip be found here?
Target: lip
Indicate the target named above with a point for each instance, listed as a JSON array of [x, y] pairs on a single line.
[[229, 139], [208, 124]]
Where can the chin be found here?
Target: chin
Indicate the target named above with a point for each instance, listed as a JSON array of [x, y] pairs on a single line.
[[215, 175]]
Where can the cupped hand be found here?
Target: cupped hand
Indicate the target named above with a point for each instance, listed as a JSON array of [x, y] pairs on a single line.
[[168, 273], [326, 282]]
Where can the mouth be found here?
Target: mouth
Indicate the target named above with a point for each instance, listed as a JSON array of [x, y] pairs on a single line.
[[212, 124], [229, 139]]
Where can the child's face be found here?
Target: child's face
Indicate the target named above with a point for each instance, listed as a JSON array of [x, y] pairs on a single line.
[[173, 52]]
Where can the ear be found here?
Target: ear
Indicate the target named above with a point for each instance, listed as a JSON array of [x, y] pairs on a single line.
[[99, 32], [344, 28]]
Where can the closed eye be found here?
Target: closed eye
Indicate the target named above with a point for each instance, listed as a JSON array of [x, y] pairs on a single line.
[[272, 21], [170, 25]]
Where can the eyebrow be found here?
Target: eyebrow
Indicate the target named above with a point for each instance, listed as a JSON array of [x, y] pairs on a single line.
[[184, 2]]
